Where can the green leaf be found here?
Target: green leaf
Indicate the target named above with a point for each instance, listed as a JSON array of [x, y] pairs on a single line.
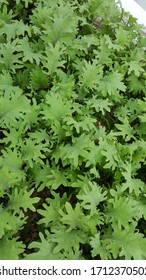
[[100, 105], [97, 248], [13, 106], [74, 218], [61, 25], [14, 29], [135, 85], [90, 75], [84, 123], [44, 250], [121, 211], [8, 179], [12, 159], [56, 108], [9, 222], [28, 53], [134, 185], [9, 59], [39, 79], [53, 59], [91, 195], [33, 152], [111, 84], [5, 79], [26, 2], [78, 149], [103, 55], [67, 240], [125, 129], [135, 67], [16, 246], [127, 243], [111, 155], [57, 178], [51, 214], [22, 199], [122, 36]]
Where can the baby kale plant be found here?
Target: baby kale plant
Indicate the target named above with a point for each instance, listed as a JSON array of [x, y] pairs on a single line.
[[72, 131]]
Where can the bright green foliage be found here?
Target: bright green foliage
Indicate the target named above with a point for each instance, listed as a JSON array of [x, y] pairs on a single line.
[[10, 223], [72, 131], [44, 250], [127, 243], [74, 218], [22, 199], [91, 196], [16, 246], [111, 84]]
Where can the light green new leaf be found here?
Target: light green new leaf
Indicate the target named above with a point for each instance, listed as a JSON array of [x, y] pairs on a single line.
[[57, 178], [73, 218], [32, 152], [12, 160], [134, 185], [53, 59], [91, 195], [50, 215], [127, 243], [79, 149], [13, 106], [120, 211], [111, 155], [10, 249], [67, 240], [122, 36], [97, 248], [13, 29], [28, 53], [125, 129], [104, 52], [91, 73], [44, 249], [9, 222], [100, 105], [55, 108], [61, 25], [10, 60], [22, 199], [135, 67], [111, 84]]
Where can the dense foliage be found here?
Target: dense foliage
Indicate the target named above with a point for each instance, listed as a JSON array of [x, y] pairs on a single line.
[[72, 131]]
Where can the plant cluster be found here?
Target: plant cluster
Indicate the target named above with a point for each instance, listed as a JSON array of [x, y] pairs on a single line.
[[72, 131]]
